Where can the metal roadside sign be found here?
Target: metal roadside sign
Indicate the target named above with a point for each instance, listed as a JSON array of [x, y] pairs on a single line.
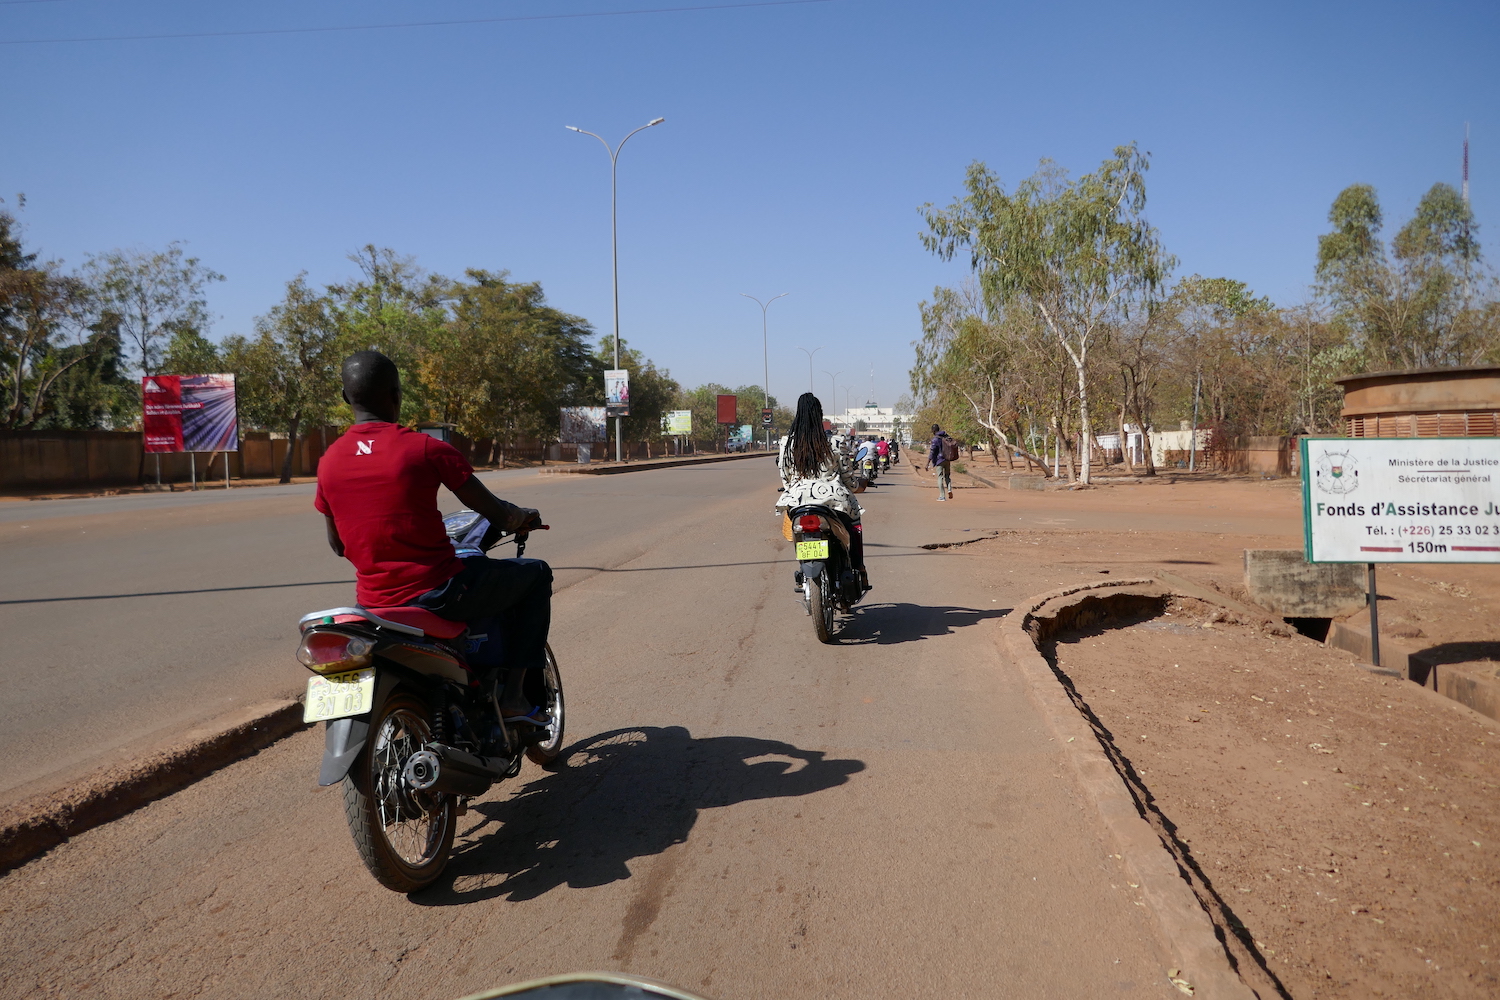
[[1392, 500]]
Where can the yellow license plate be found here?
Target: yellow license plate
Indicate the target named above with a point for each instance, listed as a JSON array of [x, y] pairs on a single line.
[[812, 550], [338, 695]]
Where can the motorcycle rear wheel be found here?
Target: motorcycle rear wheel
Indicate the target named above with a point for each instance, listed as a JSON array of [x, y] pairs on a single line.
[[820, 606], [547, 751], [403, 837]]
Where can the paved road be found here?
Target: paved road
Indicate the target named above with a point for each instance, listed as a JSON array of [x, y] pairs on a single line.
[[129, 619], [744, 811]]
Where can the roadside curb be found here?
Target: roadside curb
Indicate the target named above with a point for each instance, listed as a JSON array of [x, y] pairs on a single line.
[[37, 824], [612, 469], [1178, 918]]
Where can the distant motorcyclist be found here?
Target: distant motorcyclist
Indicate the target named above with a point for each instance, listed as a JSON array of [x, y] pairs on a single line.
[[883, 449], [813, 473]]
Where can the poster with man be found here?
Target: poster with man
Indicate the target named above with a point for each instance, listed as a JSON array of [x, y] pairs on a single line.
[[189, 413], [617, 393]]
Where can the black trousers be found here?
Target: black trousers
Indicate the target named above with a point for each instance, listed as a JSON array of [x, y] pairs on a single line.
[[517, 593]]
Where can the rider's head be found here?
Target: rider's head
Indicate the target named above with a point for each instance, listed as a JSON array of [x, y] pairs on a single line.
[[372, 385], [935, 428], [809, 445]]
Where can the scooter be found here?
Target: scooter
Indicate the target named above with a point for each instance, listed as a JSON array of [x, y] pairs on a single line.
[[414, 730]]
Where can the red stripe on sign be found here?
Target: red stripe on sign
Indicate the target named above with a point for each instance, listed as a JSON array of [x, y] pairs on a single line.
[[1475, 548], [1380, 548]]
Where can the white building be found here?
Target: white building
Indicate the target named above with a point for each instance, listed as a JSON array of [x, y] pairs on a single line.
[[874, 420]]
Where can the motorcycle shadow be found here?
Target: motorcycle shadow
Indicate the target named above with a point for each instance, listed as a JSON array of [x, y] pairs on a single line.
[[887, 624], [620, 795]]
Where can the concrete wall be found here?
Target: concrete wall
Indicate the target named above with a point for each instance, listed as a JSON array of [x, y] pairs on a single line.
[[74, 459]]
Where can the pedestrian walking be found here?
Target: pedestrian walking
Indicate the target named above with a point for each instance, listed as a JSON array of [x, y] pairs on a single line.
[[942, 450]]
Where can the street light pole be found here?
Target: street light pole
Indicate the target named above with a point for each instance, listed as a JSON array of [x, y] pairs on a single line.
[[833, 387], [614, 240], [765, 350], [809, 354]]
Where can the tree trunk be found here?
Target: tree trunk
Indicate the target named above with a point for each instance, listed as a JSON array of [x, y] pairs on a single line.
[[1083, 421], [291, 448], [1125, 442]]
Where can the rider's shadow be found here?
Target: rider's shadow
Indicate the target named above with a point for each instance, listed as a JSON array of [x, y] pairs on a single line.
[[885, 624], [617, 796]]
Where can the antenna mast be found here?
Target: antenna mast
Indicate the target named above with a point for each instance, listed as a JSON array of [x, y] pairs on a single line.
[[1466, 163]]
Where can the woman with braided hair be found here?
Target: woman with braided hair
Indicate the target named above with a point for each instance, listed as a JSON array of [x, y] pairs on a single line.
[[812, 472]]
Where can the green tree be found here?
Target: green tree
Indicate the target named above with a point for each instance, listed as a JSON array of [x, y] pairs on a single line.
[[396, 308], [1422, 300], [1077, 253], [287, 376], [190, 353], [506, 361], [155, 294], [45, 320]]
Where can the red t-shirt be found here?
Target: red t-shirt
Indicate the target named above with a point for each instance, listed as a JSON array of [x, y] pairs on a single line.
[[379, 484]]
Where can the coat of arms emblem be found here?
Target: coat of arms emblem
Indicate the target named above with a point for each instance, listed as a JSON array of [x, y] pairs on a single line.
[[1336, 473]]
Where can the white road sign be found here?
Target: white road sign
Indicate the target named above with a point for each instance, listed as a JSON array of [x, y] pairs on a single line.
[[1416, 500]]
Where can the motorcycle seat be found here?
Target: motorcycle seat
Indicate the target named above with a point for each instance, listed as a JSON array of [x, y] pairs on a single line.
[[434, 625]]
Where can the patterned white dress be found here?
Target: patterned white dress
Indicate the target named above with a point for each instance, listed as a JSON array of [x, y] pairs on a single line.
[[833, 486]]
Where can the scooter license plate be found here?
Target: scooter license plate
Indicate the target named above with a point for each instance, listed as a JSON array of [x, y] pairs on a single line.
[[812, 550], [338, 695]]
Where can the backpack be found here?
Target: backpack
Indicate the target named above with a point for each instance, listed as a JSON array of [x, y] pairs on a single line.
[[950, 449]]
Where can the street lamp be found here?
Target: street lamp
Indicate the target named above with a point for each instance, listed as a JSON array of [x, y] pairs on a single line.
[[809, 354], [614, 240], [765, 350], [833, 387]]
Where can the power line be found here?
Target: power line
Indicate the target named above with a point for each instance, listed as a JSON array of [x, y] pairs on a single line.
[[406, 24]]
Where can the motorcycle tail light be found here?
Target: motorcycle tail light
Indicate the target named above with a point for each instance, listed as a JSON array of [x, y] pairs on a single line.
[[809, 522], [332, 652]]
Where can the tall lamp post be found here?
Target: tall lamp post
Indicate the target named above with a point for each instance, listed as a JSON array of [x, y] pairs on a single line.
[[833, 387], [614, 241], [765, 351], [809, 354]]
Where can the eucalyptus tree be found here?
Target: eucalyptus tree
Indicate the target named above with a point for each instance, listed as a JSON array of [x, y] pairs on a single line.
[[1419, 301], [1078, 253], [154, 294]]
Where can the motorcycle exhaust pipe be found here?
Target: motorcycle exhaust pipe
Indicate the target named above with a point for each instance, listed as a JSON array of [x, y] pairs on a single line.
[[444, 769]]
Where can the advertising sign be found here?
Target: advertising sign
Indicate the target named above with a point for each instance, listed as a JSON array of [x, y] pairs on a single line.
[[189, 413], [728, 407], [1416, 500], [765, 417], [617, 392], [678, 423], [581, 424]]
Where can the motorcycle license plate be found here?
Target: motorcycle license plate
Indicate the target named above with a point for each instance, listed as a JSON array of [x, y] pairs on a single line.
[[812, 550], [338, 695]]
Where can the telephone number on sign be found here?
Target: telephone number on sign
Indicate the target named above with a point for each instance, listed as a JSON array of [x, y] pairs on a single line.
[[1435, 530]]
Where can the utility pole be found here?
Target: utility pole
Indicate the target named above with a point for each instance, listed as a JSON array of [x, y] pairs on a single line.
[[765, 350]]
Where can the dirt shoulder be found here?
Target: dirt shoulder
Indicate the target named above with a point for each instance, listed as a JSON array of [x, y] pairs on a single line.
[[1348, 820]]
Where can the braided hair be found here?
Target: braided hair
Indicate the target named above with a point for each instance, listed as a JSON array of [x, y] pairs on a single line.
[[809, 452]]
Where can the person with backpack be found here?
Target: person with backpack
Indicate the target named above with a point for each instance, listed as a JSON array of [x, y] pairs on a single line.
[[942, 452]]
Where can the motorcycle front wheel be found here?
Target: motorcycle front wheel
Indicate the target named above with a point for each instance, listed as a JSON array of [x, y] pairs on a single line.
[[402, 836], [820, 606]]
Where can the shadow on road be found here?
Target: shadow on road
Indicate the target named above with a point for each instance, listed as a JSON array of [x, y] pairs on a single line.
[[617, 796], [884, 624]]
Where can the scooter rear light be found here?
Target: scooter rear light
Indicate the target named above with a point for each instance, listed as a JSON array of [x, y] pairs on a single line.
[[809, 523], [332, 652]]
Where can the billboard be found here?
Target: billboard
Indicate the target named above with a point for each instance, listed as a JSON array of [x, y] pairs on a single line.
[[189, 413], [728, 410], [1416, 500], [617, 392], [581, 424], [678, 423], [766, 417]]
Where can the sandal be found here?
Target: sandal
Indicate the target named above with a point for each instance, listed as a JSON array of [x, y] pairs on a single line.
[[535, 717]]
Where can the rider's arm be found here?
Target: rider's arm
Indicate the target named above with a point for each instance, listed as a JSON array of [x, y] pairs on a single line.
[[502, 516], [334, 541]]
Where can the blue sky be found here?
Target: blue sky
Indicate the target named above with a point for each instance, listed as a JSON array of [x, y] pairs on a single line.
[[800, 142]]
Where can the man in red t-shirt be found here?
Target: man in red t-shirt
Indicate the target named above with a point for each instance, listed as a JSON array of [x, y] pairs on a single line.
[[377, 490]]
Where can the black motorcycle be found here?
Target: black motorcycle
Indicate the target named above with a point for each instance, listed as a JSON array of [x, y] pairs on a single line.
[[826, 574], [412, 707]]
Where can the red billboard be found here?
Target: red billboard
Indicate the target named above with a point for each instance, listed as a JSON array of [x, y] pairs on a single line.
[[728, 407], [189, 413]]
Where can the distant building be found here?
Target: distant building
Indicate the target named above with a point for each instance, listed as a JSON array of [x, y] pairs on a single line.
[[876, 420]]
